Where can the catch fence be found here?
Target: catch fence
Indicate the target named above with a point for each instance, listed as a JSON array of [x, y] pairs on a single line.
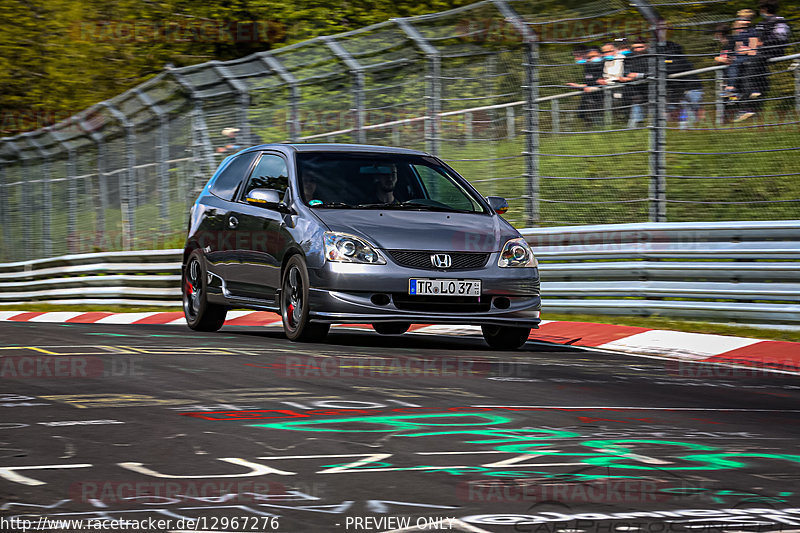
[[485, 87]]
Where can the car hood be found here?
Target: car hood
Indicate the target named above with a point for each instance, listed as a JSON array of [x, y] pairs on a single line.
[[421, 230]]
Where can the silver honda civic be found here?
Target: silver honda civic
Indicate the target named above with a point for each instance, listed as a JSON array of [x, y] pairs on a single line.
[[333, 233]]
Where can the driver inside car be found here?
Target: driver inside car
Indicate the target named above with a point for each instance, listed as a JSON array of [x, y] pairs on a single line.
[[385, 181]]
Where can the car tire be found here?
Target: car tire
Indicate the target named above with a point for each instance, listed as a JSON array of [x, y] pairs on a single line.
[[294, 304], [200, 314], [505, 337], [391, 328]]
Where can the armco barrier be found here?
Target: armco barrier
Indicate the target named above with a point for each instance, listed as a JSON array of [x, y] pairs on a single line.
[[149, 278], [747, 271]]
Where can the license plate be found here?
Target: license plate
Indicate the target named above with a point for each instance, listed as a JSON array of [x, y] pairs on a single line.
[[444, 287]]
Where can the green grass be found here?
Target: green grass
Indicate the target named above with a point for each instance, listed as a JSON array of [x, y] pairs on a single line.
[[593, 200]]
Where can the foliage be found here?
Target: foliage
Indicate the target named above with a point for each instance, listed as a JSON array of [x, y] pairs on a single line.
[[60, 56]]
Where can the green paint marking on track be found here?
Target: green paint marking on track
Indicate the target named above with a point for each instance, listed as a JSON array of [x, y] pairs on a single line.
[[394, 423]]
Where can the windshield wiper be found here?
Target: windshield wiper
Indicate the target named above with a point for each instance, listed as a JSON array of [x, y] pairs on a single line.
[[333, 205], [412, 206]]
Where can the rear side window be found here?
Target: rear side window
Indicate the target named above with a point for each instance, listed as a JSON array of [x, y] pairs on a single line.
[[228, 181]]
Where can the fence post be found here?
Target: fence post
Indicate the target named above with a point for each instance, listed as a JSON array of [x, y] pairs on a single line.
[[511, 129], [433, 89], [797, 89], [658, 112], [531, 89], [162, 149], [468, 126], [5, 220], [101, 197], [555, 115], [24, 199], [293, 118], [45, 198], [719, 82], [241, 89], [659, 139], [72, 187], [202, 150], [72, 201], [357, 71], [127, 184]]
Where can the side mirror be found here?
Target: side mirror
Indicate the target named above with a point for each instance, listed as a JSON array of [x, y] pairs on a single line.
[[498, 204], [268, 198]]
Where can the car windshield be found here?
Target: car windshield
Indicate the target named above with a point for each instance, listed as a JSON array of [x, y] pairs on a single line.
[[382, 181]]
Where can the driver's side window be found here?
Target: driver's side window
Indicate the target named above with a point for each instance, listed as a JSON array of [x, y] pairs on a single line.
[[269, 173]]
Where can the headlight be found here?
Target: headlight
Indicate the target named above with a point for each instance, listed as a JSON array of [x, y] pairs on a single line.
[[517, 253], [345, 248]]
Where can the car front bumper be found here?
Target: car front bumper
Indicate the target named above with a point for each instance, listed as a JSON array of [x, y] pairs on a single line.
[[346, 292]]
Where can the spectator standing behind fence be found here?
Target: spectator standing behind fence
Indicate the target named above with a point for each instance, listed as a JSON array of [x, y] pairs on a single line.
[[773, 31], [683, 93], [749, 70], [590, 103], [231, 145], [613, 70], [637, 65], [767, 39]]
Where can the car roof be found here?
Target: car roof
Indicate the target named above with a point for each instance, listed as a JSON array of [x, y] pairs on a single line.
[[335, 147]]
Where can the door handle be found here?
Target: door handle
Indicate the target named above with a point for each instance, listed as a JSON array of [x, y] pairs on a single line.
[[233, 222]]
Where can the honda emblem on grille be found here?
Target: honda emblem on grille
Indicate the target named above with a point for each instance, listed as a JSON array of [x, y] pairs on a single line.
[[441, 260]]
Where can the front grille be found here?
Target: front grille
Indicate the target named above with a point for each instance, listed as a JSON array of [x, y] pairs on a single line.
[[442, 304], [422, 260]]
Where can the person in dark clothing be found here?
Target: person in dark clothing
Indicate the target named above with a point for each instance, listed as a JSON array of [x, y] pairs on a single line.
[[685, 93], [766, 40], [589, 110], [637, 65], [773, 31], [723, 34]]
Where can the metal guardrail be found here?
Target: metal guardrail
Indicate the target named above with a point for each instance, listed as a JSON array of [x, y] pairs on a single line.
[[146, 278], [746, 271], [711, 271]]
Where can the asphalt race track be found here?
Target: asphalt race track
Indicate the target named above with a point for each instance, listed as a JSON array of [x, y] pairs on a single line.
[[243, 430]]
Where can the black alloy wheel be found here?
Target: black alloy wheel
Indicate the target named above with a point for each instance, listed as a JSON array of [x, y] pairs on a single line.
[[294, 304], [505, 337], [200, 314]]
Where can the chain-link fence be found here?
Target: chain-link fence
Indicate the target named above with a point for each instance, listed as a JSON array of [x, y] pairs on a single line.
[[579, 112]]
